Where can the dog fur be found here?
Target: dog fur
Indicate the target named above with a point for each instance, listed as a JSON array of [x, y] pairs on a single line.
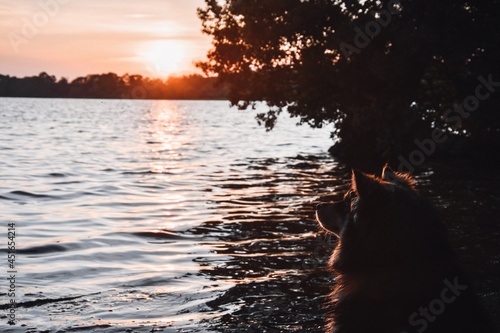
[[394, 269]]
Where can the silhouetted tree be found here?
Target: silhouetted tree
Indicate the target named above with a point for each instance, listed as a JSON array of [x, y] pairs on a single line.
[[385, 72], [111, 85], [62, 88], [4, 80]]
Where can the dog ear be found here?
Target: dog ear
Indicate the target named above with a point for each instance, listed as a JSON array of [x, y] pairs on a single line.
[[365, 184], [388, 174], [397, 178]]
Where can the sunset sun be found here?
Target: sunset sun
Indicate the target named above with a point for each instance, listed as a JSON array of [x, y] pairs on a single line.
[[163, 58]]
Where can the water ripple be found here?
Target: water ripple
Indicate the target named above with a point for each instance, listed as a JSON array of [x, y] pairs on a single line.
[[156, 215]]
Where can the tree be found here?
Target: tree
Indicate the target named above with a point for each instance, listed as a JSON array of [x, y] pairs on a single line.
[[384, 72], [110, 85]]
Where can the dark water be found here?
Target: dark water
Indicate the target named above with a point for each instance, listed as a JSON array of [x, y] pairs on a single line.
[[149, 216]]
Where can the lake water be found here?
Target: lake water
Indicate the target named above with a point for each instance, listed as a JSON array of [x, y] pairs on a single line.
[[177, 216], [129, 214]]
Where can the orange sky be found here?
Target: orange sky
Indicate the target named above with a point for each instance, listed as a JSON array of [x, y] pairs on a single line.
[[72, 38]]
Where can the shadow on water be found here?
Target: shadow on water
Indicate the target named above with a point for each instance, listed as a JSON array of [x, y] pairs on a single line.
[[269, 247]]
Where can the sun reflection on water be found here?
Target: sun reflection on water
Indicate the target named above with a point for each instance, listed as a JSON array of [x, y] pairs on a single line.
[[169, 207]]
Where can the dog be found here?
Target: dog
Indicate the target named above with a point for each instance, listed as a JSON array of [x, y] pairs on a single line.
[[395, 271]]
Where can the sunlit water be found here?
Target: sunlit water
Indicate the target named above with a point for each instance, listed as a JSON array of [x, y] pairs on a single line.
[[165, 216], [125, 210]]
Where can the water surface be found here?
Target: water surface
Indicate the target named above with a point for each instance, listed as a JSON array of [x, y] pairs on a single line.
[[125, 210], [171, 216]]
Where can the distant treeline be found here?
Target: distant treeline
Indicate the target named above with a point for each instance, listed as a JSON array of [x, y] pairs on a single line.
[[111, 85]]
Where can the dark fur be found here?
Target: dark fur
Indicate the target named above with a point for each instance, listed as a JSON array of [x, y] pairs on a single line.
[[391, 261]]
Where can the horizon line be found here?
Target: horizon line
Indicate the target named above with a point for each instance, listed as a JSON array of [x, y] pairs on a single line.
[[163, 78]]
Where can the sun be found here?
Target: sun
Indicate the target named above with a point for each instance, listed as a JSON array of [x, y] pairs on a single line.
[[163, 58]]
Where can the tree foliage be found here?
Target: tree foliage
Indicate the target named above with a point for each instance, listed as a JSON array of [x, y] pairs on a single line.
[[110, 85], [384, 72]]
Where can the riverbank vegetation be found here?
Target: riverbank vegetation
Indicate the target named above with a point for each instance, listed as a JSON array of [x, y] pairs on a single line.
[[111, 85], [399, 79]]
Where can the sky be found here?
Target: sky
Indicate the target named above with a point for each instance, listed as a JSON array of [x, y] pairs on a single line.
[[71, 38]]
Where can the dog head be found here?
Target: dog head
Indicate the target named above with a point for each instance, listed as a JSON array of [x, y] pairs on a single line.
[[380, 220], [333, 217]]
